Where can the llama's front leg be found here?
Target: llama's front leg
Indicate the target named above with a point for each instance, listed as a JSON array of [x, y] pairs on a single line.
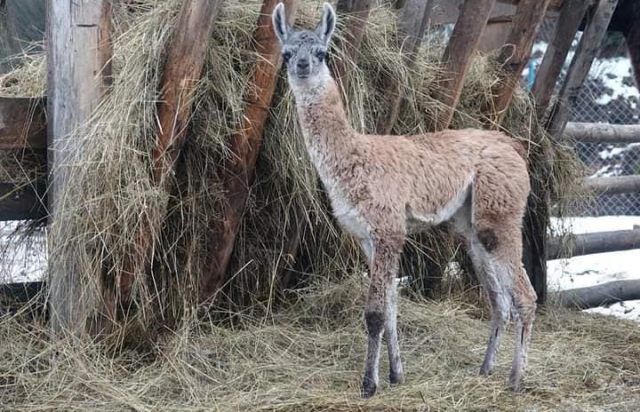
[[396, 374], [383, 268]]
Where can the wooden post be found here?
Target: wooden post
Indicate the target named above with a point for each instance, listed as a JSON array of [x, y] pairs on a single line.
[[613, 185], [571, 16], [600, 295], [467, 32], [180, 77], [587, 51], [515, 55], [78, 48], [354, 14], [412, 24], [239, 170]]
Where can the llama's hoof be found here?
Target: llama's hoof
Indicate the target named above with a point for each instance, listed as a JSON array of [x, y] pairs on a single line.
[[515, 382], [369, 388], [486, 370], [396, 378]]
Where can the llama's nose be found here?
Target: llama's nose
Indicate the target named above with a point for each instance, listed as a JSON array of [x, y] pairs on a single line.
[[303, 65]]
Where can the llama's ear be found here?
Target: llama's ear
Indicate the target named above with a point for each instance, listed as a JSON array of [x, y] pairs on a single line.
[[327, 25], [280, 25]]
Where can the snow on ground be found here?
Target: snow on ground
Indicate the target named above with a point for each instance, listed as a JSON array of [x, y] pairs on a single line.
[[590, 270]]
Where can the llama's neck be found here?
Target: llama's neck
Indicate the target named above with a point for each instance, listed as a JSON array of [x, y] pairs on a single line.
[[321, 113]]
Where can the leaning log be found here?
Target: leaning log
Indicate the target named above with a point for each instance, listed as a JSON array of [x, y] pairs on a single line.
[[572, 13], [78, 51], [515, 55], [602, 133], [592, 37], [412, 24], [600, 295], [238, 172], [354, 14], [22, 123], [457, 56], [592, 243]]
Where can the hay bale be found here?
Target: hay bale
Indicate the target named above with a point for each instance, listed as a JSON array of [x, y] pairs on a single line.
[[114, 193]]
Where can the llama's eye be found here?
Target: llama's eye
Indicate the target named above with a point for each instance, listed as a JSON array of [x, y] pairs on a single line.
[[321, 55], [286, 56]]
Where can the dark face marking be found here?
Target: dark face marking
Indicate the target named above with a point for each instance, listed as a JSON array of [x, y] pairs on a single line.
[[488, 239]]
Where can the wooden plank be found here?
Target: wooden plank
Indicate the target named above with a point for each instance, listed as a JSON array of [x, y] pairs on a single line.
[[515, 56], [553, 4], [180, 76], [76, 53], [592, 243], [495, 36], [448, 11], [602, 133], [592, 37], [567, 25], [25, 201], [22, 123], [599, 295], [354, 14], [613, 185], [412, 23], [456, 59], [238, 172]]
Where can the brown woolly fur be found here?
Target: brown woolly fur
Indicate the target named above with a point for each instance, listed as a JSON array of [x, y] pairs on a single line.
[[305, 358], [114, 193]]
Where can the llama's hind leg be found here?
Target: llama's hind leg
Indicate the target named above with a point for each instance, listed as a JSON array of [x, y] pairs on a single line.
[[384, 269], [396, 374], [524, 300], [491, 274]]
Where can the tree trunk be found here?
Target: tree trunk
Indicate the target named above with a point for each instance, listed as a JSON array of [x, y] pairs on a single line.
[[571, 16], [78, 50], [458, 54], [600, 295], [515, 55], [239, 170]]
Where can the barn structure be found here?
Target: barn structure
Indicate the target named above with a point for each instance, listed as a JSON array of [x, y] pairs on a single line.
[[80, 51]]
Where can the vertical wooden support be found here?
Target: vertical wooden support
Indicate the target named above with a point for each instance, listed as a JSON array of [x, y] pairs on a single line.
[[571, 16], [354, 14], [78, 48], [467, 33], [587, 51], [412, 24], [239, 170], [515, 55], [180, 77]]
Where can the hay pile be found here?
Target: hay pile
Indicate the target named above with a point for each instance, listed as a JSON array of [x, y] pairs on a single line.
[[308, 357], [113, 197]]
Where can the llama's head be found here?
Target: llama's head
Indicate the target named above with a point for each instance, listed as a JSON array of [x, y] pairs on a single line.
[[304, 51]]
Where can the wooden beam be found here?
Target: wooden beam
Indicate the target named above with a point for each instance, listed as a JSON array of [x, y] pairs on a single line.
[[354, 15], [22, 123], [458, 54], [78, 46], [25, 201], [613, 185], [448, 11], [587, 51], [515, 56], [553, 4], [602, 133], [238, 172], [592, 243], [599, 295], [572, 13], [412, 23]]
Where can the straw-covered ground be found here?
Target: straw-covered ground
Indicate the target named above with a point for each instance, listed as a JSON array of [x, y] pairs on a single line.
[[301, 353], [308, 357]]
